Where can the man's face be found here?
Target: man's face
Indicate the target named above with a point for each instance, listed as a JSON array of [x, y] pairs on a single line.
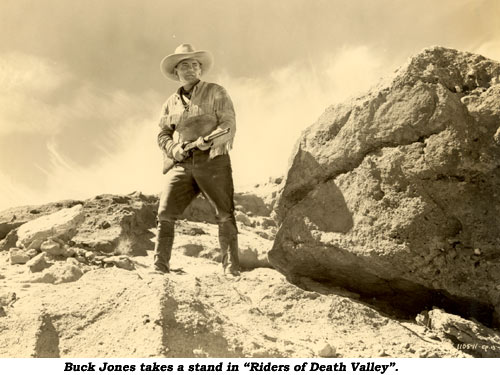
[[188, 71]]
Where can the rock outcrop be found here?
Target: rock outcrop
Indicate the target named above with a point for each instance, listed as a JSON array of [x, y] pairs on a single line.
[[118, 224], [100, 230], [14, 217], [60, 224], [396, 192]]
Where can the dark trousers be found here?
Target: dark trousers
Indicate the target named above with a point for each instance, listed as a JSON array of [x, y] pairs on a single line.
[[213, 178]]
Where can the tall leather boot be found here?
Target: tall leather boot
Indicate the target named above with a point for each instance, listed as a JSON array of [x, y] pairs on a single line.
[[228, 240], [163, 246]]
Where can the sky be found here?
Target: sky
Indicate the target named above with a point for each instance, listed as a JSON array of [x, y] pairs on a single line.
[[81, 89]]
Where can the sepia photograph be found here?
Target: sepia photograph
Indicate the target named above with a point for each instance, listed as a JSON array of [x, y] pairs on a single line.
[[259, 179]]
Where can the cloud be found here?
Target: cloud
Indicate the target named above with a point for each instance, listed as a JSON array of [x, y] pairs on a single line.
[[19, 71], [136, 165], [273, 111], [28, 83], [489, 49], [353, 69], [84, 134], [41, 96]]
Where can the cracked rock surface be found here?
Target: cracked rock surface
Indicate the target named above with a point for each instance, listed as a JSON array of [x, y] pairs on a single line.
[[396, 192]]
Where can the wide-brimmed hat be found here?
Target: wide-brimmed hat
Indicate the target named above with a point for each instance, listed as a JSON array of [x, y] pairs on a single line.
[[185, 51]]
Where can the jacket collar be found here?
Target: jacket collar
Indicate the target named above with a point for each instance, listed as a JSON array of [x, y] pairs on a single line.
[[193, 91]]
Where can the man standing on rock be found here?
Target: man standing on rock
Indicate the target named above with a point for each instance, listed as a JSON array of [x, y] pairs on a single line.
[[196, 110]]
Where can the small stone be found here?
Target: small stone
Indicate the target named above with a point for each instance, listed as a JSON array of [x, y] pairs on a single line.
[[277, 180], [120, 261], [69, 252], [260, 353], [18, 256], [79, 251], [32, 253], [38, 263], [200, 353], [52, 247], [382, 353], [477, 251], [423, 353], [7, 298], [89, 255], [244, 219], [434, 337], [327, 351], [422, 319], [196, 231], [105, 225], [267, 223], [433, 355], [73, 261], [270, 338]]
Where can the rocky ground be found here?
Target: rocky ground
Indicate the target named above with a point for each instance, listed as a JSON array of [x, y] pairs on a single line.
[[196, 312]]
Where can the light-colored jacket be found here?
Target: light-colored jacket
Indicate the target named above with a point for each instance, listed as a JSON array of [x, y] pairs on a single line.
[[207, 99]]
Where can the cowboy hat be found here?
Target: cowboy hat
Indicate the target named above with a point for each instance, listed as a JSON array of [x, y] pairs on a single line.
[[185, 51]]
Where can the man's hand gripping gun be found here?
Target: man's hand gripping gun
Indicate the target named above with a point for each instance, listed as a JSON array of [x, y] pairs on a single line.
[[201, 141]]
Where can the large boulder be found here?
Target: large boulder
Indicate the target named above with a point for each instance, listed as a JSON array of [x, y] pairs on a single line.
[[397, 190], [14, 217], [62, 223], [118, 224]]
